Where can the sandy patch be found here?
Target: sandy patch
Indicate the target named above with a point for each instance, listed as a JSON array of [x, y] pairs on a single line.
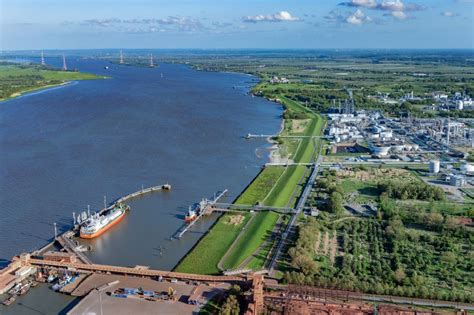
[[374, 174], [235, 219], [299, 125]]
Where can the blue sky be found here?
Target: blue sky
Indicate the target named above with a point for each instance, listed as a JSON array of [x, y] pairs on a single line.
[[76, 24]]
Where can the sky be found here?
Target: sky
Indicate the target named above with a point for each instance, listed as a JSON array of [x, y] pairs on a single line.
[[287, 24]]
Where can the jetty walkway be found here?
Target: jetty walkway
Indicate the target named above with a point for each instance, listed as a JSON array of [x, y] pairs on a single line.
[[138, 193], [205, 207], [96, 268]]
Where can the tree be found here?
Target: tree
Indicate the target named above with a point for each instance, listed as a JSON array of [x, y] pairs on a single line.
[[395, 228], [448, 257], [335, 203], [306, 264], [434, 219], [231, 306]]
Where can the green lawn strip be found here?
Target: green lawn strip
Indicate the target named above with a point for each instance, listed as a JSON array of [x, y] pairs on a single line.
[[203, 258], [450, 208], [219, 238], [306, 148], [280, 196], [258, 262], [255, 234], [299, 188], [13, 71], [16, 80], [363, 187], [261, 186]]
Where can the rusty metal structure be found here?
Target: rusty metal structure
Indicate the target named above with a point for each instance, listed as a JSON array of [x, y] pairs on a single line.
[[305, 300]]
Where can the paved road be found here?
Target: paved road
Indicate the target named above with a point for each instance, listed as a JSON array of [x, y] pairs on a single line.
[[299, 207]]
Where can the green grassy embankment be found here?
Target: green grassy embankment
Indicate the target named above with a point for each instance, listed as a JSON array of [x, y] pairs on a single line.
[[261, 186], [275, 186], [16, 80], [205, 256], [284, 189], [255, 234], [283, 192]]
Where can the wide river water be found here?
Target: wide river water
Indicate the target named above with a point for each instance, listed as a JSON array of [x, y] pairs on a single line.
[[65, 148]]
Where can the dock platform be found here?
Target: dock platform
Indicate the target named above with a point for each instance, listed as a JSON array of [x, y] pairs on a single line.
[[206, 207]]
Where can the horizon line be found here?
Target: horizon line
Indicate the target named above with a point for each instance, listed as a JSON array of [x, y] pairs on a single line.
[[221, 49]]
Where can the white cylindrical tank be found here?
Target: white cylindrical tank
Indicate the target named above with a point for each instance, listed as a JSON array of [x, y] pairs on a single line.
[[468, 168], [434, 166]]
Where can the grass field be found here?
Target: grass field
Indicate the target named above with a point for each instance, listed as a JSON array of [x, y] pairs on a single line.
[[11, 71], [364, 188], [466, 209], [254, 235], [19, 79], [281, 194], [275, 186], [203, 259], [261, 186]]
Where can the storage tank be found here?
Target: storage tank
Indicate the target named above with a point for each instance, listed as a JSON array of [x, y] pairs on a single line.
[[467, 168], [434, 166]]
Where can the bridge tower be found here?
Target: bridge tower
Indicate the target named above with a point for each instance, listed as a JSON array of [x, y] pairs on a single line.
[[151, 61], [121, 58], [43, 63], [64, 63]]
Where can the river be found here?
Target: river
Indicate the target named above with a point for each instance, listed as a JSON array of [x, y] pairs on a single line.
[[68, 147]]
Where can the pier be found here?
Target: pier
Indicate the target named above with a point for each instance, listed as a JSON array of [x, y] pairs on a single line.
[[141, 192], [288, 164], [124, 199], [65, 240], [68, 244], [205, 207], [26, 260], [230, 207], [252, 136]]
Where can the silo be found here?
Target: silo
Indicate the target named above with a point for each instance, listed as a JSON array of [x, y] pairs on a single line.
[[434, 166]]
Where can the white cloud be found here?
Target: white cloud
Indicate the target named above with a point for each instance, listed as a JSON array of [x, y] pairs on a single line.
[[361, 3], [282, 16], [400, 15], [449, 14], [392, 5], [358, 18], [395, 8], [177, 23]]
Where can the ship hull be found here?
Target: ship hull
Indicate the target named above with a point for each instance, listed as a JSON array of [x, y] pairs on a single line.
[[189, 219], [105, 228]]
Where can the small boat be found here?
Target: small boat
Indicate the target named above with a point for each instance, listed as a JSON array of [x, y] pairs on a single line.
[[61, 283], [9, 301], [24, 289], [106, 67], [56, 286], [51, 278]]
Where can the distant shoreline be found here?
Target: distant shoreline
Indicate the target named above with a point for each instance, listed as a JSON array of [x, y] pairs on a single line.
[[34, 90]]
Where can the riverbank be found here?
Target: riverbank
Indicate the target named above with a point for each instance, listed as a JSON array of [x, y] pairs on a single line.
[[18, 79], [34, 90], [277, 186]]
